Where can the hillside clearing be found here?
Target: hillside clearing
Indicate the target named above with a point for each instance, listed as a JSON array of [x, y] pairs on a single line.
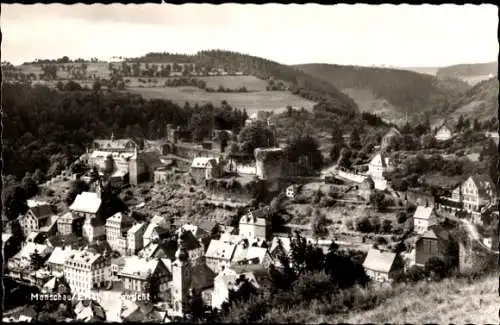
[[275, 101], [368, 102]]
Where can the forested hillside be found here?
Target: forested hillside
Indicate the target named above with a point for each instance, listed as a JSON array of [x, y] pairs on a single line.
[[479, 102], [299, 82], [468, 70], [404, 91], [47, 129]]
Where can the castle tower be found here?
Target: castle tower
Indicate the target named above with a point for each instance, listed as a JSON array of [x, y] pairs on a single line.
[[181, 280]]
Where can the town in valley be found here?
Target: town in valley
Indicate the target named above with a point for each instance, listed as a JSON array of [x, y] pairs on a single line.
[[226, 187]]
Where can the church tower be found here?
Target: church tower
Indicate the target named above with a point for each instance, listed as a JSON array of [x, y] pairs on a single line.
[[181, 280]]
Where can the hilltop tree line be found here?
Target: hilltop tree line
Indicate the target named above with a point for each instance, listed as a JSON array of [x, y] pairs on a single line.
[[302, 84]]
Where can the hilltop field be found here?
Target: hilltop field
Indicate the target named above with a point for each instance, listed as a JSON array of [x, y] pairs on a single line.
[[275, 101]]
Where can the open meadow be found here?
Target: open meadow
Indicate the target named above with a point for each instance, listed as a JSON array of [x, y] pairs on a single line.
[[275, 101]]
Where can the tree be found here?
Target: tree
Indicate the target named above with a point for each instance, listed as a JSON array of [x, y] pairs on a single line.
[[29, 185], [401, 217], [96, 86], [335, 152], [344, 158], [364, 225], [304, 149], [255, 135], [355, 140], [36, 260], [319, 224], [15, 202], [196, 305], [428, 141], [38, 176], [76, 188], [460, 123], [223, 139], [386, 226], [378, 200], [436, 268], [153, 287]]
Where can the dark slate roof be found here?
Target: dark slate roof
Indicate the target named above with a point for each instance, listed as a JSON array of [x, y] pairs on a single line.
[[42, 211], [202, 277], [208, 226], [190, 241]]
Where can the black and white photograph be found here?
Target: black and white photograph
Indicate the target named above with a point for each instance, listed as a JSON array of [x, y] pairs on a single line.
[[244, 163]]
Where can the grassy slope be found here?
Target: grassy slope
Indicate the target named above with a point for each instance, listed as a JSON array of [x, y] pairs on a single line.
[[451, 301], [389, 92], [252, 101], [481, 101]]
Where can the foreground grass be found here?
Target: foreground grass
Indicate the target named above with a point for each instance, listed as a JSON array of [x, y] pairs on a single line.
[[455, 301]]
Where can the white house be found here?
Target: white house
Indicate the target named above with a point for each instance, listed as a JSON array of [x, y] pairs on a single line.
[[230, 279], [219, 255], [135, 240], [423, 218], [380, 265], [291, 191], [85, 270], [377, 166], [254, 224], [443, 133]]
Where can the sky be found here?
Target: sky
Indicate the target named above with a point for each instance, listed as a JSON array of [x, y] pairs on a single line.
[[391, 35]]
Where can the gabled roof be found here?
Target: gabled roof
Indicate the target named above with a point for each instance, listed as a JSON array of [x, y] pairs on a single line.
[[202, 277], [207, 226], [202, 162], [483, 184], [152, 227], [285, 243], [380, 160], [87, 202], [89, 310], [220, 250], [60, 255], [257, 216], [6, 237], [42, 211], [159, 220], [124, 220], [168, 247], [190, 241], [379, 261], [135, 228], [83, 256], [423, 213], [140, 267], [114, 144], [29, 248]]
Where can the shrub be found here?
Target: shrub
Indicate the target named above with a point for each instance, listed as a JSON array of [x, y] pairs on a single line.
[[364, 225], [381, 240], [386, 226], [436, 268], [401, 217]]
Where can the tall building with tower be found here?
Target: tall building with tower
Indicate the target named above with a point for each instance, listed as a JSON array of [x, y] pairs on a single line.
[[181, 281]]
